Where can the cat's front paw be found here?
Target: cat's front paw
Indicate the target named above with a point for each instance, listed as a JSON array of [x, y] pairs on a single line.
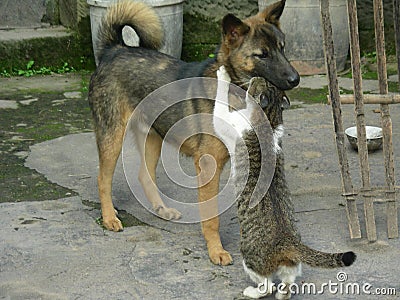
[[222, 74]]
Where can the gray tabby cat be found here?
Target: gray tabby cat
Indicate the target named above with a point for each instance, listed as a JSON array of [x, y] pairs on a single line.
[[270, 244]]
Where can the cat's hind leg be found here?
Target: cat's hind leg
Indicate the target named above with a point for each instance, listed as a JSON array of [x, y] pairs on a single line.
[[264, 288], [288, 276]]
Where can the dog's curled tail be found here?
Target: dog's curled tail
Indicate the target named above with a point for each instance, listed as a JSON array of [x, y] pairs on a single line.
[[315, 258], [137, 15]]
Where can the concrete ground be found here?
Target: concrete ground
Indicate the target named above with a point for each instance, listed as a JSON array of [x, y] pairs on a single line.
[[55, 249]]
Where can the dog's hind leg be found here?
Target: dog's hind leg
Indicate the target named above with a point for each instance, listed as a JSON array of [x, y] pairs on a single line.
[[208, 168], [109, 148], [150, 149]]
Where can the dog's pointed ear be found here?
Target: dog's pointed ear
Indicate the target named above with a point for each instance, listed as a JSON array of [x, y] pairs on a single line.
[[234, 29], [273, 12]]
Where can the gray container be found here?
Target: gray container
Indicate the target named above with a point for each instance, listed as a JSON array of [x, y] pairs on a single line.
[[301, 23], [171, 16]]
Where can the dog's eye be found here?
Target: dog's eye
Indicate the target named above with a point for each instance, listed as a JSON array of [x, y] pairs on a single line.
[[263, 54]]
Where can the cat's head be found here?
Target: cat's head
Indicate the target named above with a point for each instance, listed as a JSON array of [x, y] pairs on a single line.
[[271, 99]]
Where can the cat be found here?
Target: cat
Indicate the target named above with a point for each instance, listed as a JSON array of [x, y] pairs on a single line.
[[270, 243]]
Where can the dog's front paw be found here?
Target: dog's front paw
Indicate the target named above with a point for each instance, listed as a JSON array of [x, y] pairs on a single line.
[[168, 213], [222, 74], [112, 223], [219, 256]]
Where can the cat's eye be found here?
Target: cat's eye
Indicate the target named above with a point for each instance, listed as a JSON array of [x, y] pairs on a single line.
[[263, 54]]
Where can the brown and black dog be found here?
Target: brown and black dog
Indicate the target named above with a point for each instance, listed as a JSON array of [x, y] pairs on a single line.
[[126, 75]]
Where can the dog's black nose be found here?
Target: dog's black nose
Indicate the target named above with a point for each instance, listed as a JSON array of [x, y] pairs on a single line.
[[294, 79]]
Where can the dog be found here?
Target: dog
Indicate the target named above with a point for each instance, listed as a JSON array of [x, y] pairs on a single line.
[[126, 75]]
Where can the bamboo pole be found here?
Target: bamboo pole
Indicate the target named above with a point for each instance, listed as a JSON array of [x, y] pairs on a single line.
[[396, 21], [371, 99], [360, 118], [386, 120], [330, 61]]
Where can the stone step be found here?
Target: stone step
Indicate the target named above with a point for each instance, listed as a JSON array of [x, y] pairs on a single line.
[[50, 46], [20, 34]]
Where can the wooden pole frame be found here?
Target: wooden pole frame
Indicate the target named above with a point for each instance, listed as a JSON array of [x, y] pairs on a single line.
[[370, 99], [348, 191], [367, 192], [386, 121]]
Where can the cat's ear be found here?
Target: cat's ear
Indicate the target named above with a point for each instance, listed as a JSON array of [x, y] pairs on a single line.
[[285, 102]]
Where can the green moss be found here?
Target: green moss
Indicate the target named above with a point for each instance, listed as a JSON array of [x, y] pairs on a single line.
[[42, 132], [311, 96], [197, 52], [369, 67], [51, 53], [201, 36], [308, 95], [367, 40], [39, 121], [393, 87], [126, 219], [18, 183], [199, 29]]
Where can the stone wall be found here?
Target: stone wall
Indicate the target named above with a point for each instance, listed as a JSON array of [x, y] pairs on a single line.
[[27, 13], [202, 19], [218, 8], [42, 13]]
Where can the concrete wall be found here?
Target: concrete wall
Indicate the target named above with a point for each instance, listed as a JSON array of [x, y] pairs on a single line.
[[202, 24], [22, 13], [217, 9], [41, 13]]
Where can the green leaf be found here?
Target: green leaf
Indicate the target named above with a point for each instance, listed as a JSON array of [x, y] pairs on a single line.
[[30, 64]]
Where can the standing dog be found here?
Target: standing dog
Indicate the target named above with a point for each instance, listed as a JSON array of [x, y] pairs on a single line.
[[126, 75]]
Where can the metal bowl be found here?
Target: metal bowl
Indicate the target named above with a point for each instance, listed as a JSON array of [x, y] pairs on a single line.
[[374, 137]]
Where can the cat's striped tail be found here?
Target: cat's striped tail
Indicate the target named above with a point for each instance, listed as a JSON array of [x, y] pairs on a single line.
[[315, 258]]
